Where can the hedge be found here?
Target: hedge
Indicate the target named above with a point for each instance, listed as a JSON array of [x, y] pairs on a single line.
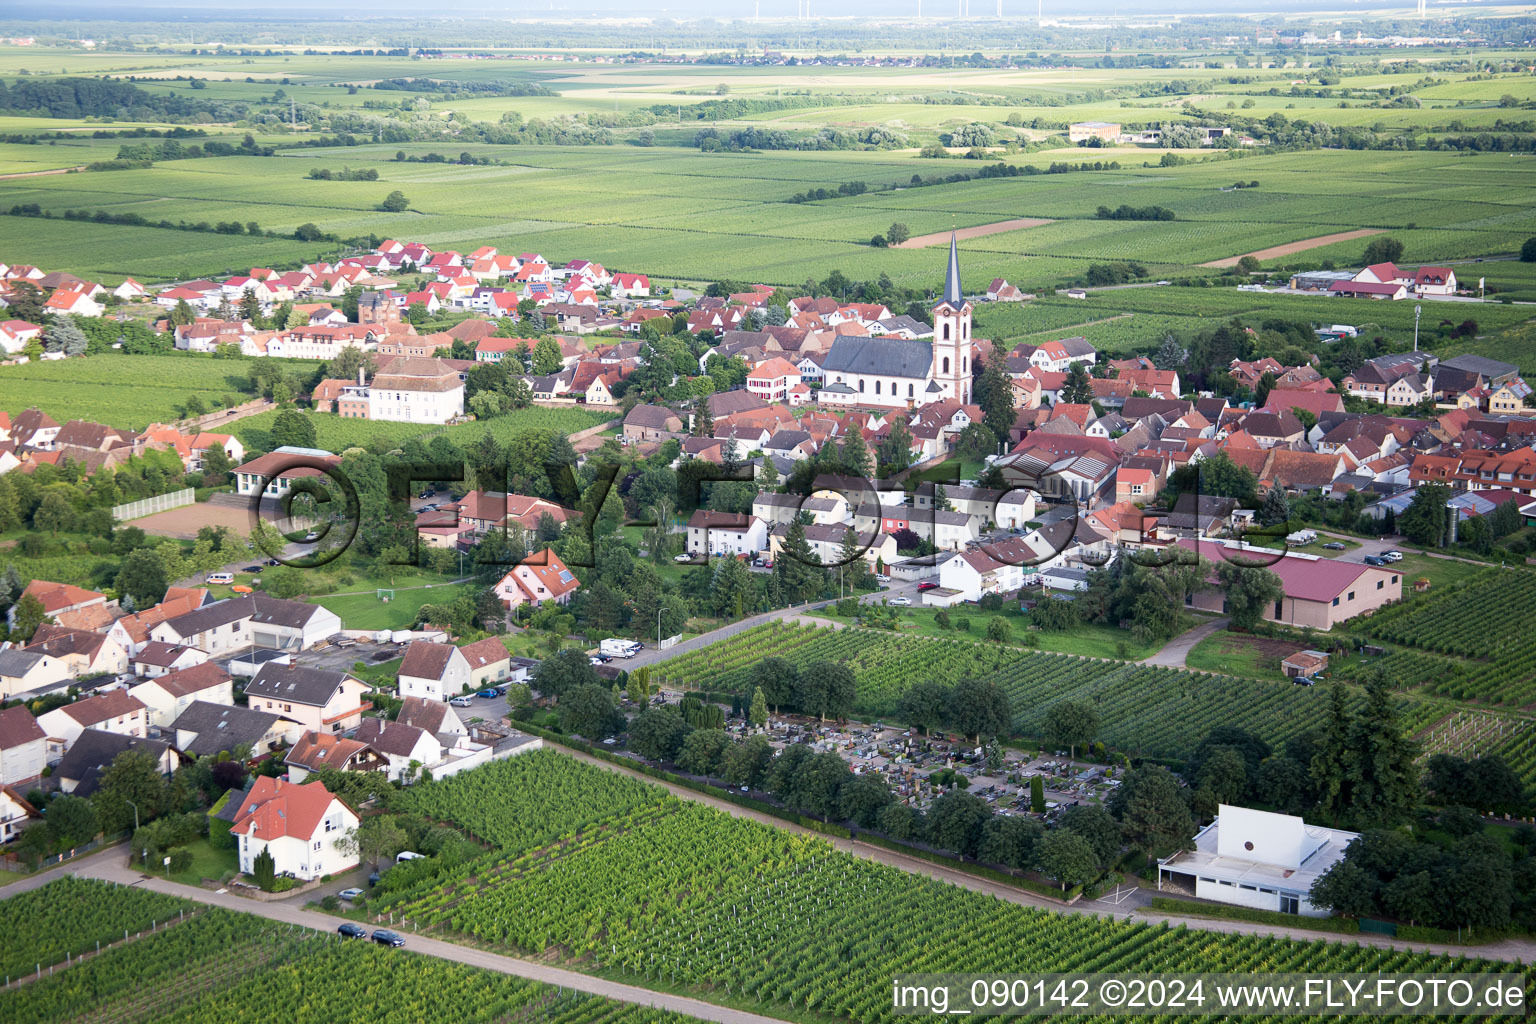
[[1343, 925]]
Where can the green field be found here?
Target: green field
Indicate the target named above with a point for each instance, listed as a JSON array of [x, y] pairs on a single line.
[[367, 611], [336, 433], [126, 391]]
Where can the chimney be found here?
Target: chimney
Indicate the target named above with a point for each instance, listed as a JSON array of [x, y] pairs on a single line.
[[360, 380]]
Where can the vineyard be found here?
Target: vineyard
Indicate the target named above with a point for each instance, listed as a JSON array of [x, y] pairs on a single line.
[[70, 916], [522, 802], [1162, 712], [225, 967], [680, 894], [1484, 617]]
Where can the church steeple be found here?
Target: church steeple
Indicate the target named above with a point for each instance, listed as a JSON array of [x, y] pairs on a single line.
[[953, 296]]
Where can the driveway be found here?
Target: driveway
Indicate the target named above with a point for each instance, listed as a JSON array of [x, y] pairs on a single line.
[[1175, 652]]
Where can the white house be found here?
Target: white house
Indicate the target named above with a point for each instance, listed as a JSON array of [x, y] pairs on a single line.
[[157, 658], [416, 390], [256, 620], [434, 671], [949, 531], [726, 533], [14, 814], [489, 663], [316, 698], [1258, 859], [23, 747], [303, 827], [167, 696], [112, 711], [400, 746]]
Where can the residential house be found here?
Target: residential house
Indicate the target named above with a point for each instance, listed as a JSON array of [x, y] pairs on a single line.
[[488, 661], [253, 620], [317, 699], [83, 652], [652, 423], [306, 831], [168, 696], [157, 657], [15, 814], [79, 770], [1001, 291], [826, 543], [111, 711], [66, 604], [773, 379], [23, 747], [316, 750], [433, 671], [24, 671], [1318, 592], [205, 730], [406, 749], [538, 578], [726, 533], [947, 531]]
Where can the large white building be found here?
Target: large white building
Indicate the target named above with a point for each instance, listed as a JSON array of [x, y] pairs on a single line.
[[903, 373], [417, 390], [304, 828], [1258, 859]]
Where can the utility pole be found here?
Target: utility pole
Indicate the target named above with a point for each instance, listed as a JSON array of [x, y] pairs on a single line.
[[1416, 311]]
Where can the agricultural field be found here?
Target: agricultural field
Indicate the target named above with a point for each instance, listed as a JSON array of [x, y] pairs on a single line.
[[127, 391], [679, 895], [65, 918], [337, 433], [227, 967], [1481, 621]]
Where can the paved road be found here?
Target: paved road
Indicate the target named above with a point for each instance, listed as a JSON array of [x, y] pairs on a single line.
[[113, 869], [1175, 651]]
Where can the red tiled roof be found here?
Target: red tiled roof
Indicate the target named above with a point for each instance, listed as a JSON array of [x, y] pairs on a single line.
[[274, 808]]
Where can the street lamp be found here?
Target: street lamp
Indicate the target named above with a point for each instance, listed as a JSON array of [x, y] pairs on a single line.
[[135, 807], [1416, 311], [658, 627]]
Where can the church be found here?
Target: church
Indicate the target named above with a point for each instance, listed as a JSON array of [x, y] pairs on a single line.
[[901, 373]]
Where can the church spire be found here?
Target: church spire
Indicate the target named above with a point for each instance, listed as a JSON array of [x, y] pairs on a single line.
[[953, 296]]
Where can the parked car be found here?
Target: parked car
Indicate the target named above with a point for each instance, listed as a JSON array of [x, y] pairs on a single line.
[[758, 563], [927, 585], [373, 879], [253, 568], [1375, 560], [901, 601], [596, 660], [352, 931], [492, 691], [684, 557], [385, 937], [462, 702], [881, 577], [1392, 556], [273, 561], [1335, 545], [426, 492], [312, 535], [350, 894]]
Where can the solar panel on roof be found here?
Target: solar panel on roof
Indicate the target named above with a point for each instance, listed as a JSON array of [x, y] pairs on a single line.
[[565, 576]]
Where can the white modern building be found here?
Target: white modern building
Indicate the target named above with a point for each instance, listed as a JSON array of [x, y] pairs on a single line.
[[304, 828], [726, 533], [1258, 859]]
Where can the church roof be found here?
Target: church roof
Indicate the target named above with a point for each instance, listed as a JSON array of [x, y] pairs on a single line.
[[889, 357], [954, 298]]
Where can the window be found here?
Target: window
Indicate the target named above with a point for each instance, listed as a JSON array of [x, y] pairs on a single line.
[[910, 392], [877, 387], [946, 358], [946, 332], [1335, 602], [1351, 596], [317, 844], [1380, 584]]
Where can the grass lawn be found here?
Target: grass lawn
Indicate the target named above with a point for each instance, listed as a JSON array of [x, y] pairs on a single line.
[[1093, 641], [1213, 655], [1316, 547], [1440, 572], [366, 611], [207, 862]]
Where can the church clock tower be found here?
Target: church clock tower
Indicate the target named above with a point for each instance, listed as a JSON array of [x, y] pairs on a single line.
[[952, 335]]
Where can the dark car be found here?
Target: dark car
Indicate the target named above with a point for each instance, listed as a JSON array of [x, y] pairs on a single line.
[[1375, 560], [273, 561], [385, 937], [253, 568], [426, 493], [1334, 545], [352, 931], [927, 585], [373, 879]]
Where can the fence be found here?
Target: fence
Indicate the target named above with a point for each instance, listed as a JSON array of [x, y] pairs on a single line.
[[670, 642], [149, 506]]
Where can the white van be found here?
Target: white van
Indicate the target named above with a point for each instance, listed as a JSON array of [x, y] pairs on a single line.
[[406, 855], [219, 577]]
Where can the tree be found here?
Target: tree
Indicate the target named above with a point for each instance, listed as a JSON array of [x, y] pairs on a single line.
[[777, 681], [658, 733], [1067, 857], [746, 763], [1151, 810], [1528, 251], [798, 569], [898, 233], [1170, 355], [893, 452], [863, 797], [29, 615], [546, 357], [1097, 827], [1383, 250], [1037, 794], [292, 428], [563, 671], [1426, 520], [924, 705], [65, 336], [1078, 387], [142, 576], [54, 513], [702, 751], [955, 822], [1071, 724], [757, 709], [378, 838], [1224, 775], [1276, 509], [264, 870], [395, 202], [587, 710], [1250, 591], [1329, 767], [979, 708], [1345, 889], [826, 689], [994, 393], [74, 820], [133, 777], [1382, 774]]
